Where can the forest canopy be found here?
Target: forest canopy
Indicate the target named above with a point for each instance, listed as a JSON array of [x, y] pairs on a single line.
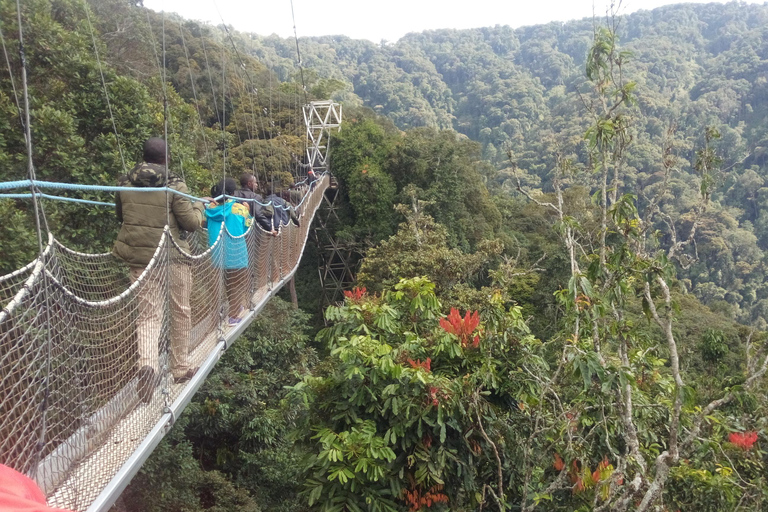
[[517, 92], [557, 234]]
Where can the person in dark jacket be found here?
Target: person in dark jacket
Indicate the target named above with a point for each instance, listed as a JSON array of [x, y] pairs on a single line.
[[311, 179], [284, 211], [143, 216], [249, 190]]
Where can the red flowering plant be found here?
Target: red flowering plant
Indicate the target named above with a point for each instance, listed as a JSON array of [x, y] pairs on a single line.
[[426, 365], [584, 479], [418, 499], [402, 408], [463, 328], [743, 440], [356, 294]]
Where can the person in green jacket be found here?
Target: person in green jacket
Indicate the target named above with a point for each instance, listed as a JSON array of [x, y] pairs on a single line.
[[143, 216]]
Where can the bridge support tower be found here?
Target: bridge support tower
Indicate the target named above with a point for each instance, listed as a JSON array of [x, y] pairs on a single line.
[[335, 258]]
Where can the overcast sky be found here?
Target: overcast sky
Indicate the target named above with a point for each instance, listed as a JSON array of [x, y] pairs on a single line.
[[387, 19]]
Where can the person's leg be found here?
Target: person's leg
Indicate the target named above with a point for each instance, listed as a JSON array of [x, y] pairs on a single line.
[[238, 291], [149, 321], [181, 319]]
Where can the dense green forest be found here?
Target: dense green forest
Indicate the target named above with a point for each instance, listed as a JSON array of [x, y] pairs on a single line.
[[560, 302], [519, 93]]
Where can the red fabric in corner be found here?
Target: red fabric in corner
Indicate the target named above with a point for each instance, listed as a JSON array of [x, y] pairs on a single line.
[[19, 493]]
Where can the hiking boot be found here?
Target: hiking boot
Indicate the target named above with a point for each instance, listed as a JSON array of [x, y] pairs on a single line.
[[146, 384], [187, 376]]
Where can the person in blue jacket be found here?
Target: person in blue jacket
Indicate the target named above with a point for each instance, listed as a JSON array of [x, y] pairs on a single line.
[[231, 251]]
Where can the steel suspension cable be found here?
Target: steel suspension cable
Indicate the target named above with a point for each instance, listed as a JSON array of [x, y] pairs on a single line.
[[161, 70], [38, 214], [194, 95], [224, 113], [168, 261], [253, 123], [255, 91], [301, 73], [298, 54], [165, 130], [13, 82], [210, 80], [251, 130], [248, 76], [267, 135], [104, 84], [28, 132], [234, 117]]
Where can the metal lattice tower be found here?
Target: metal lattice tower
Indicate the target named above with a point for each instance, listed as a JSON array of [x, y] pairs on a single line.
[[320, 117], [335, 258]]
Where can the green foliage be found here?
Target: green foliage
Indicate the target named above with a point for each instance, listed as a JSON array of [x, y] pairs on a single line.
[[700, 489], [94, 100], [445, 171], [72, 134], [522, 90], [399, 413], [238, 421], [713, 346], [420, 248], [358, 152], [378, 167], [236, 429], [371, 193], [20, 241], [172, 479]]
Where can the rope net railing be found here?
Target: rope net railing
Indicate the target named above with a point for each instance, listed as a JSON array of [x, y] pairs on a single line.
[[11, 283], [76, 331]]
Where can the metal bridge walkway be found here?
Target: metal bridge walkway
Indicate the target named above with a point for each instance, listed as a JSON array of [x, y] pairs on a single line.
[[70, 414]]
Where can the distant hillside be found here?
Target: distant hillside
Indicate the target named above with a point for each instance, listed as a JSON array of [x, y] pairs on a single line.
[[518, 91], [700, 64]]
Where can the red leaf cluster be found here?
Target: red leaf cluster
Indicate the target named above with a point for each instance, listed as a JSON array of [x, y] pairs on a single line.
[[462, 327], [558, 464], [582, 478], [596, 474], [433, 391], [417, 500], [574, 474], [426, 365], [743, 440], [356, 293]]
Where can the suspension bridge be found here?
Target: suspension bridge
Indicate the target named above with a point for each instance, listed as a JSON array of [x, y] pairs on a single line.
[[73, 415], [70, 412]]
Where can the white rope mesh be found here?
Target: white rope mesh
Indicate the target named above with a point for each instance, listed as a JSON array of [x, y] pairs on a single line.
[[10, 284], [73, 409]]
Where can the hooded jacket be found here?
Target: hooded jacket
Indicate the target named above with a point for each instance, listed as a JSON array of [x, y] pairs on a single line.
[[143, 214], [235, 217]]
